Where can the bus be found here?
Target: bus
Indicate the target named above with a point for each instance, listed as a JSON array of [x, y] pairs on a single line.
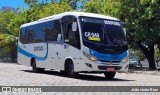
[[73, 43]]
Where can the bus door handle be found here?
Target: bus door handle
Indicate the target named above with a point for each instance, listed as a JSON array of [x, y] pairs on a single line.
[[57, 53]]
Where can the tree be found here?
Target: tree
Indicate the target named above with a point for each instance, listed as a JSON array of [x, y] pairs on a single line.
[[16, 22], [54, 8], [8, 45], [5, 18], [105, 7], [142, 22], [71, 3]]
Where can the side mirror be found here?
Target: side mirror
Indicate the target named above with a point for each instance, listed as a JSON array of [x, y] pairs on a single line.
[[74, 26], [124, 29]]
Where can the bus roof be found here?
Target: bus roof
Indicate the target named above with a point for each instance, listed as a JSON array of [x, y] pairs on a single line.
[[76, 14]]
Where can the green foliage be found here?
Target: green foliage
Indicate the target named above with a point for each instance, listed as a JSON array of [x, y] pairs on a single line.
[[93, 6], [8, 43], [16, 22], [157, 53], [142, 19], [140, 55], [54, 8], [5, 18], [106, 7]]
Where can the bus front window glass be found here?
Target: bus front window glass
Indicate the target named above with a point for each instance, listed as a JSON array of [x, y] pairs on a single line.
[[93, 32], [103, 35], [102, 31]]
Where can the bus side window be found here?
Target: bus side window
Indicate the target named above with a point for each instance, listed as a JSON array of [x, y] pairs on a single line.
[[72, 36], [52, 30], [23, 35], [30, 36]]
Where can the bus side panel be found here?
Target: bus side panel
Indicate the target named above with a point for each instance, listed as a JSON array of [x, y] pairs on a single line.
[[60, 58], [22, 59], [50, 62], [39, 51]]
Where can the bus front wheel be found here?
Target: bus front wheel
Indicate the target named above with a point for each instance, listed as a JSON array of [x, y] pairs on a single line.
[[35, 69], [109, 75], [70, 70]]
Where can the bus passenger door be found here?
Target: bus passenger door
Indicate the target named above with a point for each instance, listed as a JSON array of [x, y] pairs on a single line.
[[71, 37], [50, 62]]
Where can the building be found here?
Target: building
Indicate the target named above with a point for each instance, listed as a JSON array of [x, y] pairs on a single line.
[[6, 8]]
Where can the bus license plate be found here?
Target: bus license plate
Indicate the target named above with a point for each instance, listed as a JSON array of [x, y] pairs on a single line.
[[110, 68]]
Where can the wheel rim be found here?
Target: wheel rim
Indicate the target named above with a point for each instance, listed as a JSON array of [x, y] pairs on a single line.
[[34, 66], [71, 69]]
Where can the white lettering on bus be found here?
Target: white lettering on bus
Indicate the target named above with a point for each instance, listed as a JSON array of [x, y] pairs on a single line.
[[112, 23], [91, 34]]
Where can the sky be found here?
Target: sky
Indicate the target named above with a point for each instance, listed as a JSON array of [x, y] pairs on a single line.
[[12, 3], [15, 3]]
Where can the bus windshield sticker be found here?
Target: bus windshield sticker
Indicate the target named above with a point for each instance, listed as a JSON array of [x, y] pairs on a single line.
[[112, 22], [66, 46], [92, 36], [67, 49]]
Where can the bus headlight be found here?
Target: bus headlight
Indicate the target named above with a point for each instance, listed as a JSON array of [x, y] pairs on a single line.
[[90, 57], [124, 60]]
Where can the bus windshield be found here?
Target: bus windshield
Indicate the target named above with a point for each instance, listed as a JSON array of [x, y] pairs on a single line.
[[102, 31]]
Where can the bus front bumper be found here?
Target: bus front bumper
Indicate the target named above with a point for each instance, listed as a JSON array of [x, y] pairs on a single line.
[[97, 66]]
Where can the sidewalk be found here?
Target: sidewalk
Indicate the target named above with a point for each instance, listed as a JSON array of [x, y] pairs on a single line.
[[145, 71]]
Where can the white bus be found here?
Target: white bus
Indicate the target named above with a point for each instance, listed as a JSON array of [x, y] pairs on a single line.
[[74, 42]]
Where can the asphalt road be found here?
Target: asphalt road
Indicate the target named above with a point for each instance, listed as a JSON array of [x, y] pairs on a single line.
[[18, 75]]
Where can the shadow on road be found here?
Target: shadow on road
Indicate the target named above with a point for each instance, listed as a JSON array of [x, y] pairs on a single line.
[[80, 77]]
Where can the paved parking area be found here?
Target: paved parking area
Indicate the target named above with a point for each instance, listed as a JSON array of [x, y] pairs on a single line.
[[19, 75]]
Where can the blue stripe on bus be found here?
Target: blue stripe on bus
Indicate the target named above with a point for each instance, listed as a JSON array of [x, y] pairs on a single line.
[[20, 50], [108, 57]]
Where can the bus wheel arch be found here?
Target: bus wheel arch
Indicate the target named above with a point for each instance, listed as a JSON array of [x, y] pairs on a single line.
[[34, 66], [69, 68]]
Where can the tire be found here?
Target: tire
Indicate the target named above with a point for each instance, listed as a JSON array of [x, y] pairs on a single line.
[[109, 75], [70, 70], [63, 72], [35, 69]]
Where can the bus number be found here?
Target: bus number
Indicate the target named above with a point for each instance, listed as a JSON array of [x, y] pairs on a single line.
[[38, 48]]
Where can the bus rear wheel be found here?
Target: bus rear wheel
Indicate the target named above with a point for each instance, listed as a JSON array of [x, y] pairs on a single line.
[[35, 69], [109, 75], [70, 70]]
